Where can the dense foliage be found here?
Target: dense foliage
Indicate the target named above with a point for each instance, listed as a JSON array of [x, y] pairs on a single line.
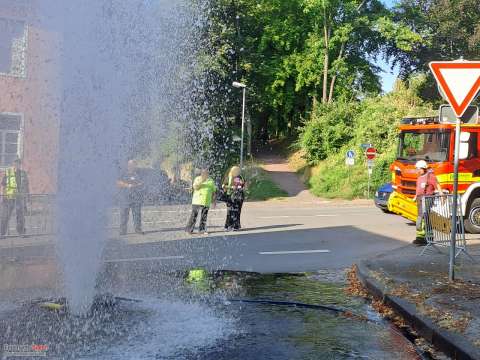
[[296, 54], [450, 30]]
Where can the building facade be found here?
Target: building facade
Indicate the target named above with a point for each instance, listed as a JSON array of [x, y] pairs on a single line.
[[29, 93]]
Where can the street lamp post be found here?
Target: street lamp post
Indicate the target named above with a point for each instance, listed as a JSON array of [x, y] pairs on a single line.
[[243, 87]]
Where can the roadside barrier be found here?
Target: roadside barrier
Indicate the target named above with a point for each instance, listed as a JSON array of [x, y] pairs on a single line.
[[39, 216], [38, 211], [170, 218], [437, 216]]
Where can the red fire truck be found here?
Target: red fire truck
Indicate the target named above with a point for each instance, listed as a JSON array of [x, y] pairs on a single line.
[[433, 140]]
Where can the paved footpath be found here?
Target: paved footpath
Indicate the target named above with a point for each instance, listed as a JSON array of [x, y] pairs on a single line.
[[446, 314], [286, 178]]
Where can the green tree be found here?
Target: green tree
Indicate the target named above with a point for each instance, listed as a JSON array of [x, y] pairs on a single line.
[[289, 53], [295, 52], [450, 29]]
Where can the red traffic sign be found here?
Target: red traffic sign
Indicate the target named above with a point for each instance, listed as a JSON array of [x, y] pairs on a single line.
[[459, 80], [371, 153]]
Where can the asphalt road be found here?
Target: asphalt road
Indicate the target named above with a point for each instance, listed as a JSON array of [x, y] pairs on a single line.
[[277, 236]]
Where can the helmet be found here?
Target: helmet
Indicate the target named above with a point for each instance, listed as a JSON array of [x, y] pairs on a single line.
[[421, 164]]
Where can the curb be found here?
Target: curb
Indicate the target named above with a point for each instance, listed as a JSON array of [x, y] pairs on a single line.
[[452, 344]]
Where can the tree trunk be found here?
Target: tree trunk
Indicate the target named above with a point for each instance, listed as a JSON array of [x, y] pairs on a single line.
[[340, 56], [326, 34], [334, 77]]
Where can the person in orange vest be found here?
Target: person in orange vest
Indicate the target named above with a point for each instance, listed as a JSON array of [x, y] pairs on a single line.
[[15, 189]]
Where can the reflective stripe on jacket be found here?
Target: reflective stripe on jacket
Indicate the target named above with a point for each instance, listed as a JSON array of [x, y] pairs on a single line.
[[11, 187]]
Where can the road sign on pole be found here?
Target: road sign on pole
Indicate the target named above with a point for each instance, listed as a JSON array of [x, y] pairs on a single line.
[[459, 81], [350, 158], [371, 153]]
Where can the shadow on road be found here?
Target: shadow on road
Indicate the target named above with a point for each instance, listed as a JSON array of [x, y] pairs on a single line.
[[270, 227]]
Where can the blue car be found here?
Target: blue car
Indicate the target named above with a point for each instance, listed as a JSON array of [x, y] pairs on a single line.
[[382, 195]]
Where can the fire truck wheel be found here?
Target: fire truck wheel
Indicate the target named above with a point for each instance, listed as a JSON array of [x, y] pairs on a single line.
[[472, 222]]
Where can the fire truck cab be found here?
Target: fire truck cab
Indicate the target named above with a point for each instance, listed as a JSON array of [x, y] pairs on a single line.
[[430, 140]]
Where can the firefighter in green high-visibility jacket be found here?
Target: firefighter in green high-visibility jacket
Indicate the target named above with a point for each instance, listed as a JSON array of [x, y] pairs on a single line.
[[15, 190], [203, 196]]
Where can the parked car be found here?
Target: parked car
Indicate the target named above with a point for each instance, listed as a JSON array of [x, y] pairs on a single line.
[[382, 195]]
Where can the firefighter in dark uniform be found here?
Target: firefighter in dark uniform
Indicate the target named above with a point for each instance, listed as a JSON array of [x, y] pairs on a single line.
[[131, 197], [15, 190], [234, 188]]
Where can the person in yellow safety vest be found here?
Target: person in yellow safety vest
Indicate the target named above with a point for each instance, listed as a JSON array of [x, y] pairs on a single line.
[[15, 190], [204, 190], [427, 184]]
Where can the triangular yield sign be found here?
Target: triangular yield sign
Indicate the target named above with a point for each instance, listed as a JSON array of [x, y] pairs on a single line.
[[459, 81]]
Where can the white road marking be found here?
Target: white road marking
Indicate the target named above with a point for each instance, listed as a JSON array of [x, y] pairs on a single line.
[[145, 259], [295, 216], [293, 252], [186, 211], [159, 222]]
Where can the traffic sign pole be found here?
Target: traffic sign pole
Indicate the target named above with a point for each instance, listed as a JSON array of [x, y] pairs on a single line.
[[370, 170], [368, 187], [453, 238], [459, 81]]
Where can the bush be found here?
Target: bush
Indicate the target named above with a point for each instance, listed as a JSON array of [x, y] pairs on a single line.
[[329, 129]]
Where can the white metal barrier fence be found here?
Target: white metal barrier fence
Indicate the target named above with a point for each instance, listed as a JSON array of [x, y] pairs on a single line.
[[169, 218], [38, 212], [437, 216]]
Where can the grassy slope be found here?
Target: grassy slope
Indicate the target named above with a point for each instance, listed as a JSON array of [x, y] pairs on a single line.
[[331, 178]]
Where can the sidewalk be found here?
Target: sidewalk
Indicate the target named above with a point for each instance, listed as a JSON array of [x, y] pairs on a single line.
[[417, 287]]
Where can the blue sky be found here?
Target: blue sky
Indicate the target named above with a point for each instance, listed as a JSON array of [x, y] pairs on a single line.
[[387, 76]]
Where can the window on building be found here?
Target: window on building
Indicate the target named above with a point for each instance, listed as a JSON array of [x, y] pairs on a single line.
[[10, 133], [13, 44]]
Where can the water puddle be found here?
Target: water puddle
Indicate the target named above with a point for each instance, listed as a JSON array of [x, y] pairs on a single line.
[[199, 315]]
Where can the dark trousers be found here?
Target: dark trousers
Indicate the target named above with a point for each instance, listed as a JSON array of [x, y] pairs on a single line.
[[193, 218], [136, 215], [7, 208], [234, 210]]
